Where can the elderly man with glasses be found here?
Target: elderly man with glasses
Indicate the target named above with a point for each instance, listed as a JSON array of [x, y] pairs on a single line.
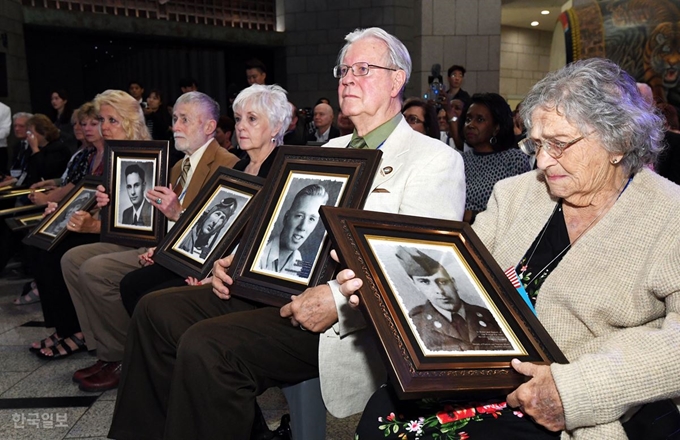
[[196, 359]]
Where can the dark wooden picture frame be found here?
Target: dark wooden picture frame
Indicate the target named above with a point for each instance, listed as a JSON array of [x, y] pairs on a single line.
[[151, 157], [18, 192], [52, 229], [21, 210], [345, 176], [236, 193], [389, 253], [26, 220]]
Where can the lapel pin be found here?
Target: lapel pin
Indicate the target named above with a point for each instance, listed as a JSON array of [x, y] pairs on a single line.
[[385, 171]]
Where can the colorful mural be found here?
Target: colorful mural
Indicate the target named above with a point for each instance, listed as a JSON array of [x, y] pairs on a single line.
[[642, 36]]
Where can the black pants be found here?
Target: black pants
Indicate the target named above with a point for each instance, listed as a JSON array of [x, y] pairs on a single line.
[[194, 365], [145, 280], [54, 296], [654, 421]]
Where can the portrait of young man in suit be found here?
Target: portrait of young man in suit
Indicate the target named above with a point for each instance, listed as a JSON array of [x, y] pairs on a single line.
[[139, 214]]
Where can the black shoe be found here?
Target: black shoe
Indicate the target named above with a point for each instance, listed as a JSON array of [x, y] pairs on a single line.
[[283, 432]]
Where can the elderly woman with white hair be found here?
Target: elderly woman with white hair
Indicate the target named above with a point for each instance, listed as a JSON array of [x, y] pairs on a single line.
[[594, 237], [258, 111], [262, 115]]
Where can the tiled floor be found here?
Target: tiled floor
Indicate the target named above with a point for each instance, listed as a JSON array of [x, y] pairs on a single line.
[[39, 401]]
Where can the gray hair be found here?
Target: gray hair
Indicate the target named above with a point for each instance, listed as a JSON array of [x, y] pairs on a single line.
[[210, 107], [270, 101], [397, 53], [21, 115], [601, 99]]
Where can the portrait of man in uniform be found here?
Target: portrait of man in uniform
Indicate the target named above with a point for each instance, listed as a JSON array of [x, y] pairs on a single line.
[[295, 235], [444, 321]]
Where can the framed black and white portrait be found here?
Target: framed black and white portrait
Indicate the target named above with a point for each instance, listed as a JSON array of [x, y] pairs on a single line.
[[131, 168], [285, 248], [133, 179], [441, 300], [294, 235], [211, 226], [447, 317], [52, 229]]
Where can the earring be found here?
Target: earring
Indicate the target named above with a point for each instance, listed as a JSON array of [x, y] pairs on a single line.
[[614, 161], [493, 140], [273, 139]]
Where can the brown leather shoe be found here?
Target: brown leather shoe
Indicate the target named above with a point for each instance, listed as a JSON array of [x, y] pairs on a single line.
[[81, 374], [105, 379]]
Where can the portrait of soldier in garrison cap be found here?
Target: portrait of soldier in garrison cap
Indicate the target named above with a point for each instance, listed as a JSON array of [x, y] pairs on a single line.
[[444, 321]]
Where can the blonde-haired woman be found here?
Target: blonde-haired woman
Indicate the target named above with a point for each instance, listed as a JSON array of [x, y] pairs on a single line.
[[121, 118]]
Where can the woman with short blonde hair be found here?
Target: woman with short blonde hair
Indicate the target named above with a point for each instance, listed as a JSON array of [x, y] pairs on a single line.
[[130, 117]]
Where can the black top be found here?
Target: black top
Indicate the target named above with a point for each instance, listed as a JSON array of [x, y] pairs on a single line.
[[48, 163], [668, 164], [264, 168], [544, 254]]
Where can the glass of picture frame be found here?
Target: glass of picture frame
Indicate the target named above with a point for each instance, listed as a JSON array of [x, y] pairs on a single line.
[[211, 226], [131, 168], [52, 229]]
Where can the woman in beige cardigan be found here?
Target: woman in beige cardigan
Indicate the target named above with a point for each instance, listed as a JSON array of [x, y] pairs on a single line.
[[594, 237]]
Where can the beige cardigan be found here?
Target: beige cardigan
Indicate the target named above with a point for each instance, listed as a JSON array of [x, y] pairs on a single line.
[[611, 304]]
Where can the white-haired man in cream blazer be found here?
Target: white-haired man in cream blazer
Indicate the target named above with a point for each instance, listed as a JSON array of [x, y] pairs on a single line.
[[197, 358]]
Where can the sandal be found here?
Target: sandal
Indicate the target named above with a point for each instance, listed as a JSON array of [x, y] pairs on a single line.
[[30, 298], [43, 344], [28, 287], [62, 350]]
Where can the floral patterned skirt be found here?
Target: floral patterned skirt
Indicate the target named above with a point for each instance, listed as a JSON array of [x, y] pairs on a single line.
[[387, 417]]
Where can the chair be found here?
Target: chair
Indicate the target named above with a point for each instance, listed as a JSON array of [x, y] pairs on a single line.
[[307, 410]]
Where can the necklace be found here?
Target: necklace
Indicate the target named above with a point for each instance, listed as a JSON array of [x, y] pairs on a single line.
[[558, 207]]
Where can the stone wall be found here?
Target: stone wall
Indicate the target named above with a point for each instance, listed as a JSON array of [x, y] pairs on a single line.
[[441, 32], [525, 59], [11, 26], [463, 32]]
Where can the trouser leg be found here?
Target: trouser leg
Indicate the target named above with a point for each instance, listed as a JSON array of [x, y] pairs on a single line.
[[99, 287], [224, 363], [54, 296], [159, 321], [71, 264], [145, 280]]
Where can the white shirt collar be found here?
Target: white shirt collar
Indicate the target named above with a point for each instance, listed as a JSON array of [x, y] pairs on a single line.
[[323, 136]]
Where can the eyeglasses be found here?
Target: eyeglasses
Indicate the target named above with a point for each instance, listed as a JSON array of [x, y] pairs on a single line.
[[358, 69], [456, 75], [413, 120], [555, 149]]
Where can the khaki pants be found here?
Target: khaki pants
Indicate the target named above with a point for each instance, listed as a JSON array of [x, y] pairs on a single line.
[[92, 273]]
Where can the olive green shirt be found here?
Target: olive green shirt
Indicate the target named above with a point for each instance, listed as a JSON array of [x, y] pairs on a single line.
[[377, 137]]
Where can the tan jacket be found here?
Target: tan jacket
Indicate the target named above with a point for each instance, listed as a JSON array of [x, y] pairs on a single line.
[[213, 158], [612, 304]]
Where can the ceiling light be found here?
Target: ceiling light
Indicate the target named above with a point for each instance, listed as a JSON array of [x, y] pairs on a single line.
[[545, 12], [534, 23]]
